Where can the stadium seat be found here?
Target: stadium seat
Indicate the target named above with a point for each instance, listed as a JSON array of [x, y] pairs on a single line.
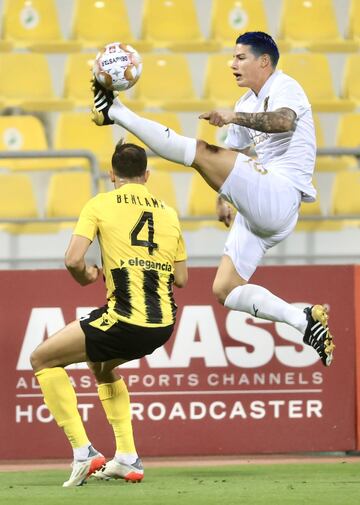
[[211, 134], [354, 21], [67, 194], [19, 133], [201, 204], [35, 25], [327, 163], [174, 25], [351, 83], [75, 130], [26, 83], [312, 71], [96, 23], [220, 87], [309, 210], [171, 120], [166, 82], [345, 197], [312, 25], [347, 135], [21, 186], [161, 185]]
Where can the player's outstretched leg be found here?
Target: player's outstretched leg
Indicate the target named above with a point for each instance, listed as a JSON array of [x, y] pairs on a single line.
[[115, 469], [317, 333]]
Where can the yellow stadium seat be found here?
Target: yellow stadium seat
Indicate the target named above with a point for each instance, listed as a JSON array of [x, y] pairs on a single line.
[[354, 21], [351, 84], [161, 185], [75, 130], [312, 71], [309, 210], [211, 134], [171, 120], [35, 25], [201, 204], [173, 24], [166, 82], [15, 188], [220, 87], [347, 135], [345, 197], [328, 163], [26, 83], [67, 195], [312, 25], [99, 22], [19, 133]]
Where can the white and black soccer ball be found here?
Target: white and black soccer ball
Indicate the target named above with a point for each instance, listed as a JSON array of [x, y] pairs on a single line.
[[117, 66]]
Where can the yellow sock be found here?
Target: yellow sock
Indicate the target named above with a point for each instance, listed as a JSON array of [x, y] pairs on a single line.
[[115, 399], [60, 398]]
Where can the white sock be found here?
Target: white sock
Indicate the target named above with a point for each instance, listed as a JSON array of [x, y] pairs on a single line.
[[127, 458], [162, 140], [259, 302], [81, 453]]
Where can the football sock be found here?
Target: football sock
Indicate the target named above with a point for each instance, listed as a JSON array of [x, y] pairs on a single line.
[[162, 140], [260, 302], [115, 400], [60, 398]]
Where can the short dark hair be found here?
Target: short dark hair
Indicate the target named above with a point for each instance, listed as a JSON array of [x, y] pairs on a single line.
[[260, 43], [129, 160]]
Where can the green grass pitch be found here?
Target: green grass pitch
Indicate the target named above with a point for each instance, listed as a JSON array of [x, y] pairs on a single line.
[[335, 483]]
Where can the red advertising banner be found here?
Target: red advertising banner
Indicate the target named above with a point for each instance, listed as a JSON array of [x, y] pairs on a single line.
[[226, 383]]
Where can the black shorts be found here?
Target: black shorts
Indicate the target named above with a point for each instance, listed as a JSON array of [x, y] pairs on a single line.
[[122, 340]]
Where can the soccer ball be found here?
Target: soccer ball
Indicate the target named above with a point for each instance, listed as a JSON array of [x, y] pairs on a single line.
[[117, 66]]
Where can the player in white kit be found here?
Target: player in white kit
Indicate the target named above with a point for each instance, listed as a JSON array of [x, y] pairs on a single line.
[[274, 117]]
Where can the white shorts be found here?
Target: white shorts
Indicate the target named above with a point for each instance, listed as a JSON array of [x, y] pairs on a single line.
[[268, 207]]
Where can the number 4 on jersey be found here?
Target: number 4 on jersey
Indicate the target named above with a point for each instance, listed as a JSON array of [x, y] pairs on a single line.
[[145, 218]]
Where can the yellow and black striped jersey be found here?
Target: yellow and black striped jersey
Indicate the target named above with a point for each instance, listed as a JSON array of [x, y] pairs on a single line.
[[140, 240]]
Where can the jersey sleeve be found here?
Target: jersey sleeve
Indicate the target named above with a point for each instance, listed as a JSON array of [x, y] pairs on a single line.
[[292, 96], [87, 225], [181, 252]]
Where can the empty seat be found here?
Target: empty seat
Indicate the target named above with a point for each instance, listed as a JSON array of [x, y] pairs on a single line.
[[67, 194], [161, 185], [174, 25], [19, 133], [220, 87], [211, 134], [347, 134], [35, 25], [354, 21], [345, 197], [201, 204], [351, 84], [312, 25], [75, 130], [166, 82], [26, 83], [96, 23], [328, 163], [312, 71], [313, 209], [170, 120]]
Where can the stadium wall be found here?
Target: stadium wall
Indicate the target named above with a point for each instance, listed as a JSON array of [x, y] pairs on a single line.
[[226, 383]]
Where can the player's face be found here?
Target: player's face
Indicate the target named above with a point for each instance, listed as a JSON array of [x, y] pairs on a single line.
[[246, 67]]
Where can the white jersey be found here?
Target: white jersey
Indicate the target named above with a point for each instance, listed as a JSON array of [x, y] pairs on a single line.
[[289, 154]]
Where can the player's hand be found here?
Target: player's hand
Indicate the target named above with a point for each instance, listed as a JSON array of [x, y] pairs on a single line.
[[224, 212], [92, 273], [218, 117]]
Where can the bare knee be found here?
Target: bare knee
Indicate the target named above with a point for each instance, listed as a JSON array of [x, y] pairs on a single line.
[[103, 375], [220, 291], [36, 360]]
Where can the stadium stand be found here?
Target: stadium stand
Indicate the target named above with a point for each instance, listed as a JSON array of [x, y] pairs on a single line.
[[313, 72], [35, 26], [354, 21], [19, 133], [38, 93], [98, 23], [328, 163], [74, 130], [345, 197], [351, 85], [174, 26], [161, 185], [348, 136], [312, 25], [166, 82]]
